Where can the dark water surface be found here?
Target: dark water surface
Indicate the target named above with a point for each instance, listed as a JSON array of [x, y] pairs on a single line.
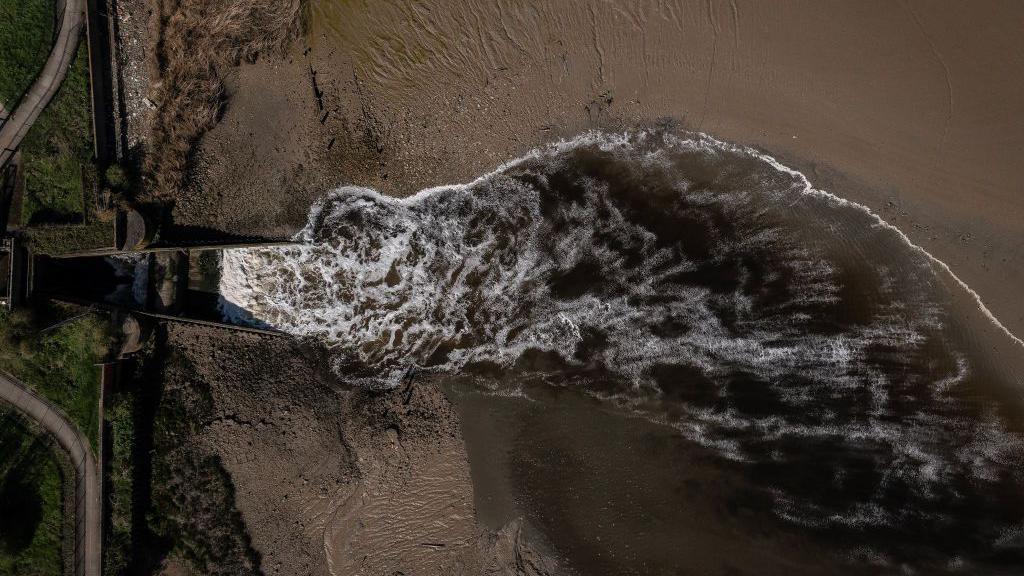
[[613, 494], [761, 370]]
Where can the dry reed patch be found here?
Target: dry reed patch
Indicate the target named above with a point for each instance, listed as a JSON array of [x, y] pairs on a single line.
[[199, 41]]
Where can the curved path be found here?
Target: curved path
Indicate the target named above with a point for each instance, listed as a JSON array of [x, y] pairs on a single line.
[[88, 511], [69, 34]]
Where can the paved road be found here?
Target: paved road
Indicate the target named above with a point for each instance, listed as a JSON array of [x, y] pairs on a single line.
[[88, 511], [69, 34]]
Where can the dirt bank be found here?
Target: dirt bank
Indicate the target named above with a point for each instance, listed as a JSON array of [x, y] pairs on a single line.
[[329, 479]]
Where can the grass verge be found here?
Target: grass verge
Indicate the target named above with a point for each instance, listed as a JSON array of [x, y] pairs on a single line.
[[57, 153], [59, 363], [120, 419], [58, 240], [31, 502], [26, 34]]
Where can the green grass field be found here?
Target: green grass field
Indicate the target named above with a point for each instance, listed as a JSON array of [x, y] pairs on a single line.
[[57, 240], [120, 414], [26, 34], [59, 363], [31, 502], [58, 153]]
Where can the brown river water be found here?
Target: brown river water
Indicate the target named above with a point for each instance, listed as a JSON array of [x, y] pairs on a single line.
[[675, 355]]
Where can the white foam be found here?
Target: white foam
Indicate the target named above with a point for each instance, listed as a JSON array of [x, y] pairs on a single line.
[[810, 189], [613, 141]]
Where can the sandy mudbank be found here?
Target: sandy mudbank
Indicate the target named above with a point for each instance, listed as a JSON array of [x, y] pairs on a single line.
[[333, 480]]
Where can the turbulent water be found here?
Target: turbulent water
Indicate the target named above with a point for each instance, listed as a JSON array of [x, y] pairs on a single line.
[[702, 285]]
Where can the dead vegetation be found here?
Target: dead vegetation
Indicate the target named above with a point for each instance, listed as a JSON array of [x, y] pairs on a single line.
[[199, 41]]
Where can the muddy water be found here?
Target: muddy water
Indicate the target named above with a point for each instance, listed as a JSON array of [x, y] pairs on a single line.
[[711, 363], [613, 494], [889, 94]]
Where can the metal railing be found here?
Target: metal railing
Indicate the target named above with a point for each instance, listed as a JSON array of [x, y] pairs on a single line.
[[54, 421]]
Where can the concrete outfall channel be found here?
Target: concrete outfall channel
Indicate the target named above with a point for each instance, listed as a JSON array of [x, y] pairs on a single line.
[[68, 34], [88, 505]]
